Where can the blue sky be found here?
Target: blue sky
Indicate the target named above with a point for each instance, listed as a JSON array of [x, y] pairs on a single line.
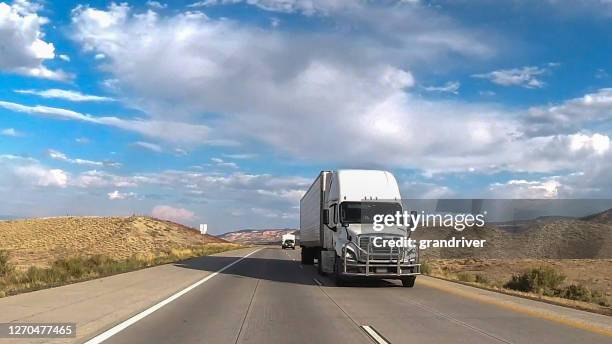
[[223, 112]]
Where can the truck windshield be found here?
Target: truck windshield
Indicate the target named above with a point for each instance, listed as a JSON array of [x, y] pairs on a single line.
[[363, 212]]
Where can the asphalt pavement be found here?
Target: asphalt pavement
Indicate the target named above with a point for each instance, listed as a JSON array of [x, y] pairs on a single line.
[[269, 297]]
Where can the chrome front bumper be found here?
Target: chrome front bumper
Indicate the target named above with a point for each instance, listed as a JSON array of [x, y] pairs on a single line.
[[379, 264]]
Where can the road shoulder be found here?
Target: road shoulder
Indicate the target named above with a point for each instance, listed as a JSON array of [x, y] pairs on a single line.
[[104, 302], [592, 322]]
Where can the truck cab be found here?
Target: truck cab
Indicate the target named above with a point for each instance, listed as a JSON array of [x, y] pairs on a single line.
[[288, 241], [336, 225]]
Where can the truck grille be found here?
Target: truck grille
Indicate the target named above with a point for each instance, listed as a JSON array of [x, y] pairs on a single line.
[[378, 253]]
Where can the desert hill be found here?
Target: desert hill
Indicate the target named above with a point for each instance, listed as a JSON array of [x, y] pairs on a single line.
[[543, 238], [41, 241], [257, 236], [603, 217]]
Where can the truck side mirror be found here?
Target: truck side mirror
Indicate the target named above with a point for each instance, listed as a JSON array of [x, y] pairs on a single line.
[[326, 216]]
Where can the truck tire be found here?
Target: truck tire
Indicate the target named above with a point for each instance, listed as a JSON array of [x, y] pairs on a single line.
[[408, 281], [307, 256]]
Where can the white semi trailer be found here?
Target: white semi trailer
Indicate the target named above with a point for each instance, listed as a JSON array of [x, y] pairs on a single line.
[[336, 227]]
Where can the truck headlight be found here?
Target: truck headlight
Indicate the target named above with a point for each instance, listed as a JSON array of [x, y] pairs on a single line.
[[350, 254], [410, 255]]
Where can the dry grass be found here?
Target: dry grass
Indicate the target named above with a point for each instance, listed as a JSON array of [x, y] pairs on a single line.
[[81, 268], [552, 259], [587, 281], [39, 253], [40, 242]]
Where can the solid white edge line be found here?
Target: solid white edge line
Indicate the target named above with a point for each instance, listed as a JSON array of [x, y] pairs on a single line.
[[125, 324], [374, 335]]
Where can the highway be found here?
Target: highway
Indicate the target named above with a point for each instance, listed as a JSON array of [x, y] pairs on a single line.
[[269, 297]]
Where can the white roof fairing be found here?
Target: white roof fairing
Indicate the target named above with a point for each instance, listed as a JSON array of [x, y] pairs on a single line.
[[356, 185]]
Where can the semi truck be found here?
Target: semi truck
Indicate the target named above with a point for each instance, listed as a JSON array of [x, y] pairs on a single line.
[[336, 227], [288, 241]]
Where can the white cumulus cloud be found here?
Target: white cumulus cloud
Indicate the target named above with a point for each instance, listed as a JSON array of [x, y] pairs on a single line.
[[17, 170], [597, 143], [167, 212], [299, 92], [571, 115], [117, 195], [44, 177], [181, 65], [22, 40]]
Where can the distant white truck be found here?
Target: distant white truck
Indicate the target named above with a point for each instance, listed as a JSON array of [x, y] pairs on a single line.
[[288, 241], [336, 227]]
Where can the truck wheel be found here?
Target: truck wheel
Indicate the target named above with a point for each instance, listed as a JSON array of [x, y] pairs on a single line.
[[408, 281], [307, 256]]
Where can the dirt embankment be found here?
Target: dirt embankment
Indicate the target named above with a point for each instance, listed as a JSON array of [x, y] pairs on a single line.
[[578, 250], [544, 238], [42, 241]]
